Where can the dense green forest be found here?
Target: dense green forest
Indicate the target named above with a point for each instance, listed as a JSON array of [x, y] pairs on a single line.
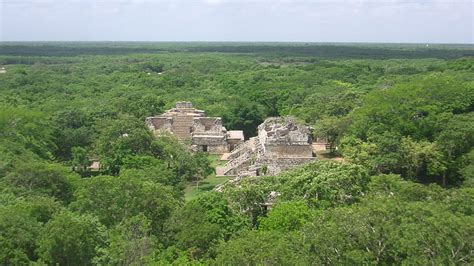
[[400, 116]]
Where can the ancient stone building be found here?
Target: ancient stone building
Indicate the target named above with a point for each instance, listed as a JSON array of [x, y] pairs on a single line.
[[192, 125], [281, 144]]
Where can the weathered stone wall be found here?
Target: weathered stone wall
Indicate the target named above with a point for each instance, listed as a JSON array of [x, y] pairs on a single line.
[[159, 123], [274, 167], [234, 141], [283, 130], [208, 125], [279, 151], [211, 144], [208, 140]]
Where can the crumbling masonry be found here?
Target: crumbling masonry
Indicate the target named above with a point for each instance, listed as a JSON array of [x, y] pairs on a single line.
[[281, 144], [190, 124]]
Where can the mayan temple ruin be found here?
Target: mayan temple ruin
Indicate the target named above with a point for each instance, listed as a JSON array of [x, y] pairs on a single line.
[[190, 124], [280, 145]]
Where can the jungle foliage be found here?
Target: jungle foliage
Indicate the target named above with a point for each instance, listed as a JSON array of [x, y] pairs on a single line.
[[401, 117]]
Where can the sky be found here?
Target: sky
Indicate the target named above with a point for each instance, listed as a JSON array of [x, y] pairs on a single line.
[[392, 21]]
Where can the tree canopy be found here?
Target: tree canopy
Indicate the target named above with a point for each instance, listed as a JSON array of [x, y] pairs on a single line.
[[83, 181]]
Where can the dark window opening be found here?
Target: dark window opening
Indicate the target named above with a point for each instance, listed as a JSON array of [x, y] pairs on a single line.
[[204, 148]]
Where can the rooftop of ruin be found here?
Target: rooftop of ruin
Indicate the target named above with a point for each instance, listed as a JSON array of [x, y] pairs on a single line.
[[184, 108]]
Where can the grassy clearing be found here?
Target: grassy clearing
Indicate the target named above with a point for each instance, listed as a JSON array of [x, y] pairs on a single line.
[[327, 155], [193, 189]]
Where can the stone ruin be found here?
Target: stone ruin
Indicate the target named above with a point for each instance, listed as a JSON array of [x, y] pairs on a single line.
[[280, 145], [192, 125]]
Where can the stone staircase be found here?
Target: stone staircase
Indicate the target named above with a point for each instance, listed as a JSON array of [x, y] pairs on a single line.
[[240, 157], [238, 150], [181, 126], [234, 164]]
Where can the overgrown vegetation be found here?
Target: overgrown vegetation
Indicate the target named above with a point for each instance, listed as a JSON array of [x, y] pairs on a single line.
[[402, 117]]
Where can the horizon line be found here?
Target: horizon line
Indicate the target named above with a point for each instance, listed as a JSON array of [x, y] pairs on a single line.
[[231, 41]]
